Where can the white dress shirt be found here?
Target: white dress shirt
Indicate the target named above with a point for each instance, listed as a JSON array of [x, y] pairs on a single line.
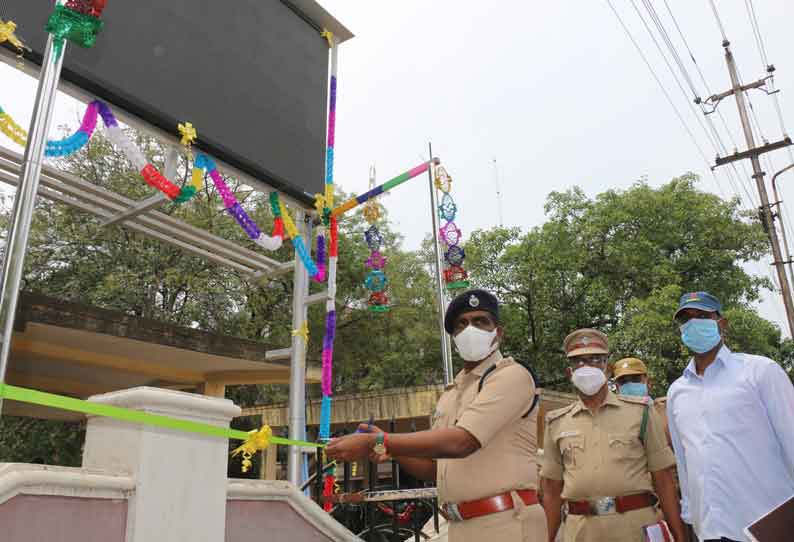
[[733, 436]]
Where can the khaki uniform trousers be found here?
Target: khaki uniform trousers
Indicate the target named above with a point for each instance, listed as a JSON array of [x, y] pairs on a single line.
[[521, 524], [626, 527]]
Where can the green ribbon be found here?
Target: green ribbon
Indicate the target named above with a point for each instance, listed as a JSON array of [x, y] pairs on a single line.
[[41, 398]]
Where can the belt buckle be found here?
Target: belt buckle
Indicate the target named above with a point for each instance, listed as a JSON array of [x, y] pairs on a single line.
[[603, 506], [453, 514]]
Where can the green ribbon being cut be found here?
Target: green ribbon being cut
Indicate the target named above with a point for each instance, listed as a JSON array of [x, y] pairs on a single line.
[[255, 440]]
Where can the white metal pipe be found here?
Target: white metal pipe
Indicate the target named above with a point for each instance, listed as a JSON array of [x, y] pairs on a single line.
[[446, 346], [25, 200], [297, 373]]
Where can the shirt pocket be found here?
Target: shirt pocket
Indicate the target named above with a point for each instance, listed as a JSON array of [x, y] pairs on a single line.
[[625, 447], [572, 451]]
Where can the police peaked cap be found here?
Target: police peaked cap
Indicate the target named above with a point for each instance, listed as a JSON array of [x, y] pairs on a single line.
[[471, 300]]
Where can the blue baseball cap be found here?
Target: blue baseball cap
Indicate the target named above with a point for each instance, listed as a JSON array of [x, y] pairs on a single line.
[[698, 300]]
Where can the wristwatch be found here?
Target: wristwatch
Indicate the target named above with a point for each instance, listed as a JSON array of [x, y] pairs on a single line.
[[380, 444]]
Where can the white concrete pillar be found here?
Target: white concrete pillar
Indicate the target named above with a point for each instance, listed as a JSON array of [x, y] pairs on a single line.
[[180, 478]]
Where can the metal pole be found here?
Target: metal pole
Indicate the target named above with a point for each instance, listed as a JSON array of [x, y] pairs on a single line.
[[297, 373], [446, 345], [782, 222], [498, 193], [25, 200], [758, 175]]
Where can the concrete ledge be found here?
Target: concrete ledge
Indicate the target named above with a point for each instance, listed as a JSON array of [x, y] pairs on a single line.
[[278, 491], [171, 403], [23, 479]]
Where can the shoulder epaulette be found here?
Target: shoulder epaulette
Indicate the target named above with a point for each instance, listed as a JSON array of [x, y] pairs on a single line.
[[635, 399], [558, 413], [505, 361]]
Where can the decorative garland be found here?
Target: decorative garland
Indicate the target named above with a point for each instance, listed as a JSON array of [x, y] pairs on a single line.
[[454, 274], [204, 164], [201, 165], [12, 130], [77, 21], [327, 202], [376, 280]]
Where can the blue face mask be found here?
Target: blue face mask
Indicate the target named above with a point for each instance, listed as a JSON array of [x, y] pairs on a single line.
[[640, 389], [700, 335]]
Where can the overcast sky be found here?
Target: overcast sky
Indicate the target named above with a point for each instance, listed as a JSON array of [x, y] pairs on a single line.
[[554, 91]]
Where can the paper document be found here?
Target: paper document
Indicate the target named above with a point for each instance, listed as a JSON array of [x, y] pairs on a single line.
[[657, 532]]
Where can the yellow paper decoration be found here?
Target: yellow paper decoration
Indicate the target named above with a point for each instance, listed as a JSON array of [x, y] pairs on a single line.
[[197, 179], [371, 212], [443, 181], [189, 133], [329, 196], [13, 130], [319, 203], [329, 36], [8, 33], [257, 441], [289, 225], [302, 332]]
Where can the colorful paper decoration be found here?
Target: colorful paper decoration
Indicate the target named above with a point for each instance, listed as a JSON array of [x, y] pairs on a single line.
[[234, 208], [375, 281], [77, 21], [12, 130], [329, 220], [8, 33], [329, 484], [385, 187], [329, 151], [455, 276], [302, 332]]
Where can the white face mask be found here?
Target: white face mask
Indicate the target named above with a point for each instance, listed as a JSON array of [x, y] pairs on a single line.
[[475, 344], [589, 380]]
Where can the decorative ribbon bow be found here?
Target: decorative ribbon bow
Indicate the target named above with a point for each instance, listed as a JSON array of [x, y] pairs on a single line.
[[257, 441]]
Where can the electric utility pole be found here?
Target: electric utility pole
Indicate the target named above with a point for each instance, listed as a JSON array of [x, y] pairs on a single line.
[[753, 153]]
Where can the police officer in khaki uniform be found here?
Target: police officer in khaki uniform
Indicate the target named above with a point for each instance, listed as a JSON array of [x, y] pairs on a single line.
[[631, 377], [603, 455], [482, 444]]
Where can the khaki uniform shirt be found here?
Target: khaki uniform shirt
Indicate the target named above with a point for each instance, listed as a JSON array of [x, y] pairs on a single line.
[[601, 455], [506, 459]]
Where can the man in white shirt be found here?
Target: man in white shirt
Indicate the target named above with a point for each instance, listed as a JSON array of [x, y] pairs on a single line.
[[731, 419]]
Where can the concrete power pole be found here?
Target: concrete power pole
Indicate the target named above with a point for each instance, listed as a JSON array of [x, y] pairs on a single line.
[[753, 153]]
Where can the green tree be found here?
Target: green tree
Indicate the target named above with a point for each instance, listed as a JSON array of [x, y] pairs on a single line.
[[618, 262]]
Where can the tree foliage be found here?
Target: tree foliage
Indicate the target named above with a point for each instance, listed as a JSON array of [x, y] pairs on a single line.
[[619, 262]]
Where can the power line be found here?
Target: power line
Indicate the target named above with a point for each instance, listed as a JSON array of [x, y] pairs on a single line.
[[714, 138], [748, 4], [673, 51], [722, 147], [658, 82], [719, 21]]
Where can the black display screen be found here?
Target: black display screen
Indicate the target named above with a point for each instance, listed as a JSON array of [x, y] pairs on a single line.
[[251, 75]]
